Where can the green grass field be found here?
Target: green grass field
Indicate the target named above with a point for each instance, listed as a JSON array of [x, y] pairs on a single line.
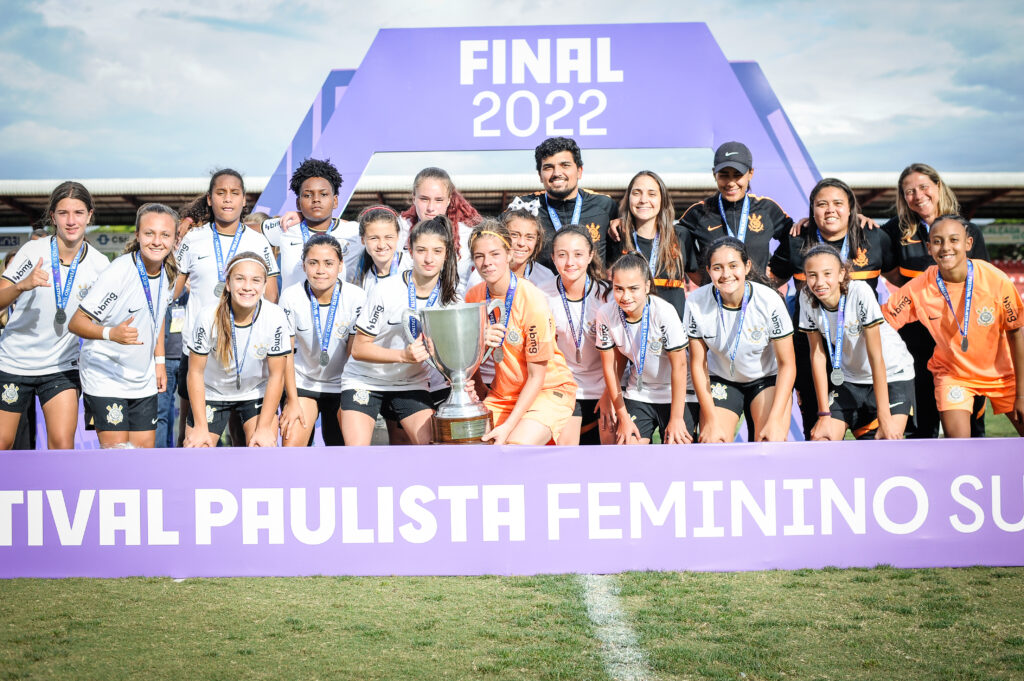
[[829, 624]]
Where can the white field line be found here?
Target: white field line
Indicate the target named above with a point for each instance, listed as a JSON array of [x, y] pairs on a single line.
[[623, 659]]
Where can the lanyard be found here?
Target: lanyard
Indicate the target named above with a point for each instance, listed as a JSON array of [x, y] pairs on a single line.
[[577, 336], [748, 291], [556, 222], [240, 361], [414, 326], [305, 230], [844, 252], [835, 355], [638, 362], [652, 262], [510, 295], [968, 294], [62, 295], [144, 278], [324, 334], [235, 241], [394, 266], [741, 233]]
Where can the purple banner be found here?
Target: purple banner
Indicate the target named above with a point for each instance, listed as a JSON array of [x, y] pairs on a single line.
[[487, 510]]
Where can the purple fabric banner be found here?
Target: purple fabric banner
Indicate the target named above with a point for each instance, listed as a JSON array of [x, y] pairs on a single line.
[[487, 510]]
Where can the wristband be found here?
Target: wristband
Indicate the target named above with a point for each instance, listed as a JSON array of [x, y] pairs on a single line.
[[824, 413], [106, 333], [160, 359]]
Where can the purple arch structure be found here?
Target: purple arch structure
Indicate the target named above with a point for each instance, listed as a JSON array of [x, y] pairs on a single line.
[[500, 88]]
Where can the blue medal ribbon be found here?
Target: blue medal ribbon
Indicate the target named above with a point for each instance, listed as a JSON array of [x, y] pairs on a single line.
[[652, 262], [556, 222], [324, 335], [235, 241], [394, 266], [968, 294], [414, 326], [844, 252], [240, 361], [62, 295], [835, 353], [741, 233], [577, 336], [510, 295], [638, 362], [747, 292], [144, 278]]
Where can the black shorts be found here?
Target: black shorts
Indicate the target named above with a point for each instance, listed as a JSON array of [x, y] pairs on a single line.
[[183, 377], [218, 413], [438, 397], [855, 405], [736, 397], [328, 405], [590, 433], [17, 393], [393, 405], [121, 414], [650, 417]]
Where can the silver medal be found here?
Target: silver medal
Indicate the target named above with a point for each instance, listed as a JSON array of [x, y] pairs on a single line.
[[218, 290], [732, 367], [579, 355], [837, 377], [238, 382], [324, 358], [60, 316], [639, 382], [498, 355], [963, 344]]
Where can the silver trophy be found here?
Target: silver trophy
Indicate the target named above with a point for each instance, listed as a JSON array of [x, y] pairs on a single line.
[[454, 338]]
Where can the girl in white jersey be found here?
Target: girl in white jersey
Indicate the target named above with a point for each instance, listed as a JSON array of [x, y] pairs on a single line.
[[126, 305], [855, 350], [386, 374], [38, 356], [379, 230], [204, 253], [646, 331], [250, 341], [580, 289], [742, 350], [315, 184], [322, 312]]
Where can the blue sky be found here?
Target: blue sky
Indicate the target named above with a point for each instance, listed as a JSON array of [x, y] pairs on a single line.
[[124, 88]]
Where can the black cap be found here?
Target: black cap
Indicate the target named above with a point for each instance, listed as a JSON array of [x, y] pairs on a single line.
[[733, 155]]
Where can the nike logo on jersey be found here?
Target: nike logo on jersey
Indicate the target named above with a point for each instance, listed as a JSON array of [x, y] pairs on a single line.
[[895, 404], [301, 330], [130, 311], [154, 422], [200, 257], [711, 229], [933, 318]]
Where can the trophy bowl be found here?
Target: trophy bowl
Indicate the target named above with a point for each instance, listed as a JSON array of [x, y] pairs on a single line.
[[454, 339]]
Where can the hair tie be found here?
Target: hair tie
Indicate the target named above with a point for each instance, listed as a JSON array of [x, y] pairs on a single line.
[[503, 239], [377, 207]]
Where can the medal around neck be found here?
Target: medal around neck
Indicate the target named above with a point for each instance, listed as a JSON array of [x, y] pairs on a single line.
[[454, 339], [837, 377], [218, 290], [60, 316]]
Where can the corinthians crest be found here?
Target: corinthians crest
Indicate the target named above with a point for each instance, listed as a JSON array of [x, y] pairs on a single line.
[[986, 316], [10, 395], [755, 224], [115, 413], [862, 257]]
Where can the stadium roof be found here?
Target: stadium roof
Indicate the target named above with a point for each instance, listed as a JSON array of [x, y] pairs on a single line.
[[981, 195]]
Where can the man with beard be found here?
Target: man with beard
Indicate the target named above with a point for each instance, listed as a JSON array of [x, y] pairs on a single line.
[[563, 202]]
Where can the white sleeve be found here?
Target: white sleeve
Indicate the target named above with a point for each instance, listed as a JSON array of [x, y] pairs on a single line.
[[690, 323], [780, 324], [268, 257], [102, 295], [372, 317], [22, 264], [675, 335], [867, 309], [808, 320], [280, 336], [184, 254], [271, 230], [605, 340], [201, 341]]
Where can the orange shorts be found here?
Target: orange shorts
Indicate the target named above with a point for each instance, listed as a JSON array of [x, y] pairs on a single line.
[[952, 393], [552, 408]]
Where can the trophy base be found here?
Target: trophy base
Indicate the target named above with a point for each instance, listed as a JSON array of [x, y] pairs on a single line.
[[460, 431]]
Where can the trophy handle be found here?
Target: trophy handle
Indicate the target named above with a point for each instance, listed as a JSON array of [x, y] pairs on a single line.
[[408, 314], [491, 307]]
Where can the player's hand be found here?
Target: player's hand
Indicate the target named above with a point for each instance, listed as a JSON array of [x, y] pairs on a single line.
[[627, 433], [125, 334], [263, 437], [676, 433], [197, 437], [494, 335], [771, 433], [711, 432], [613, 229], [38, 277], [607, 420], [887, 430], [798, 227], [161, 378], [866, 222], [498, 435], [414, 353], [290, 219], [822, 429], [290, 415]]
